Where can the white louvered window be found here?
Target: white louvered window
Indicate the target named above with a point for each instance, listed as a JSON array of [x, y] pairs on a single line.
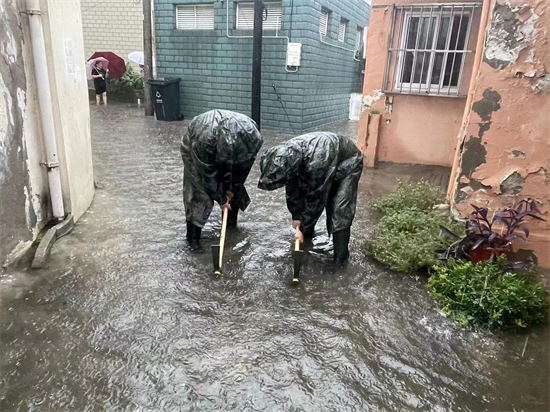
[[342, 30], [323, 24], [359, 39], [197, 17], [245, 16]]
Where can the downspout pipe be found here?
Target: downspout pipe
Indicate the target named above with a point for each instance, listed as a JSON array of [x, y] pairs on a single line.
[[41, 72], [469, 101]]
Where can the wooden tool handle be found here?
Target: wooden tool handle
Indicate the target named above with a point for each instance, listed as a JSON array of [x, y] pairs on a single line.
[[297, 242], [222, 236]]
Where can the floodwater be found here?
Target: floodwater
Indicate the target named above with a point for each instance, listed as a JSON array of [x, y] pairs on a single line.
[[126, 319]]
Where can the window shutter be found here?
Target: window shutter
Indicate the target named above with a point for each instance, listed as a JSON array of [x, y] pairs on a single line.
[[205, 17], [274, 15], [323, 25], [185, 18], [358, 38], [200, 17], [245, 16], [342, 30]]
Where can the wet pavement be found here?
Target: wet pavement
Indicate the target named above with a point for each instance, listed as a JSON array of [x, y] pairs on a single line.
[[126, 319]]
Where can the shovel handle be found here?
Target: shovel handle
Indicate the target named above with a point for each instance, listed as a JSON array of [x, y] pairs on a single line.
[[297, 241], [222, 236]]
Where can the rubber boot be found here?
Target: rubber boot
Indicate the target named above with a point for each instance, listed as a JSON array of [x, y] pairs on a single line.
[[193, 237], [197, 239], [340, 240], [232, 216], [309, 234]]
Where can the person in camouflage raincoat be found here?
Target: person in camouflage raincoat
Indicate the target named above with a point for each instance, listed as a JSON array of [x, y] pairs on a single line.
[[320, 171], [218, 152]]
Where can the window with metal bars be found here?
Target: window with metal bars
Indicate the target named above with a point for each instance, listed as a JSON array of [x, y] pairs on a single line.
[[428, 48], [323, 24], [196, 17], [245, 16], [342, 30]]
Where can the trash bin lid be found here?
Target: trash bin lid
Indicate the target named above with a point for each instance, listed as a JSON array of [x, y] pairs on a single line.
[[164, 82]]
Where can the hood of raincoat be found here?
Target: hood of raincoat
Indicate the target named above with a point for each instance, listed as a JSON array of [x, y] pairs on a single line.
[[238, 138], [222, 137], [277, 165]]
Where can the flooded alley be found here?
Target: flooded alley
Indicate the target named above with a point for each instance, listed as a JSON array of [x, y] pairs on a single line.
[[126, 319]]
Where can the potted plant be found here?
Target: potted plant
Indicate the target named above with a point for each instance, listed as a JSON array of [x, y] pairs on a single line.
[[487, 239]]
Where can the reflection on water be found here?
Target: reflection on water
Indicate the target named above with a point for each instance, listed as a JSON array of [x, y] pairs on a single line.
[[127, 319]]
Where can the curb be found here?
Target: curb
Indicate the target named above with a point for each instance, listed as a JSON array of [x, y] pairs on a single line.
[[44, 248]]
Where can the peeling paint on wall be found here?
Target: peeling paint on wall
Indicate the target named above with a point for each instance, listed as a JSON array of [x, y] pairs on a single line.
[[14, 176], [542, 85], [512, 185], [510, 32], [369, 100], [506, 156]]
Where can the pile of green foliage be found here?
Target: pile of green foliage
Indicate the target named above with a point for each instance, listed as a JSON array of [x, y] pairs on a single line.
[[409, 235], [418, 195], [129, 82], [487, 295], [408, 240]]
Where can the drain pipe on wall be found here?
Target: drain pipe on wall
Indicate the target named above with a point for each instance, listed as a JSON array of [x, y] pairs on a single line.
[[46, 111], [469, 101]]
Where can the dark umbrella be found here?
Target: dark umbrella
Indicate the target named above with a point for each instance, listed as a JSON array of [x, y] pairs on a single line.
[[117, 66]]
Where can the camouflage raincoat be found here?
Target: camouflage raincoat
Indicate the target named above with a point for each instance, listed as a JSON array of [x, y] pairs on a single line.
[[218, 152], [320, 171]]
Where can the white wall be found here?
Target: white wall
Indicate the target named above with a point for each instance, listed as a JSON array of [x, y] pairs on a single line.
[[24, 190], [72, 109]]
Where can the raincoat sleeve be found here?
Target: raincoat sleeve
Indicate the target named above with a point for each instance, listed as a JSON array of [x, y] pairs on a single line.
[[233, 178], [295, 200], [213, 185]]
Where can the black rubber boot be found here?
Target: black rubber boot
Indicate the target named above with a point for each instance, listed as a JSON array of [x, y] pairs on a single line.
[[232, 216], [309, 234], [197, 239], [341, 247], [193, 237]]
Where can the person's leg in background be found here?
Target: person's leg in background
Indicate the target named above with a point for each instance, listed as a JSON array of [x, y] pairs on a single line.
[[233, 215], [97, 99], [104, 94]]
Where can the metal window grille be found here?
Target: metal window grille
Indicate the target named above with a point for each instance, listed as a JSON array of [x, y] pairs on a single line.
[[245, 16], [342, 30], [428, 48], [323, 24], [197, 17]]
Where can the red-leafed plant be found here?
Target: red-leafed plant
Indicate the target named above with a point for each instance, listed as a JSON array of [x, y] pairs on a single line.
[[488, 238]]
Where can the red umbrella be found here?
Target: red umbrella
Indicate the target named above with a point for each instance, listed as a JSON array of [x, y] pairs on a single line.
[[117, 66]]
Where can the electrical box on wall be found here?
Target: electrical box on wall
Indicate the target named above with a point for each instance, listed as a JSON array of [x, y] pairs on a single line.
[[294, 54]]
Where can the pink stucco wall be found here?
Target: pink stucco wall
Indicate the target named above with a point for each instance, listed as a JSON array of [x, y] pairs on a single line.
[[413, 129], [506, 152]]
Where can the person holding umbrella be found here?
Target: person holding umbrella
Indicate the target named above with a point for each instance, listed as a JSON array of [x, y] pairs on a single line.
[[99, 75]]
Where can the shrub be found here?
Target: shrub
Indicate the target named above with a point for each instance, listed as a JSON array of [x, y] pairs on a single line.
[[484, 294], [419, 195], [408, 240], [129, 82]]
